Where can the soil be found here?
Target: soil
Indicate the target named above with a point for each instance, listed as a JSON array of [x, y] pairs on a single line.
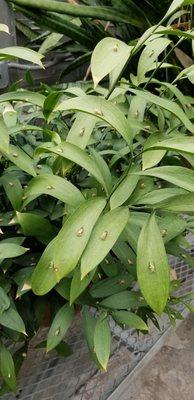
[[170, 375]]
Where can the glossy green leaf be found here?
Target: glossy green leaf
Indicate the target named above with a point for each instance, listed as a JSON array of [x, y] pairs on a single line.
[[122, 301], [159, 196], [180, 144], [180, 176], [167, 105], [23, 53], [152, 266], [104, 110], [107, 55], [152, 157], [102, 342], [13, 190], [103, 237], [59, 326], [63, 288], [4, 300], [22, 160], [63, 253], [123, 191], [183, 203], [149, 55], [4, 142], [129, 319], [35, 225], [12, 320], [77, 155], [55, 186], [81, 130], [110, 286], [23, 95], [10, 250], [7, 368], [104, 169], [78, 285], [22, 278], [50, 42]]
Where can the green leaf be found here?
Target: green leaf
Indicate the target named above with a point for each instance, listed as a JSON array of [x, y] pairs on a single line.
[[77, 155], [50, 103], [156, 197], [104, 110], [4, 28], [81, 130], [4, 301], [123, 300], [110, 286], [107, 55], [50, 42], [183, 203], [7, 368], [23, 95], [23, 53], [4, 142], [55, 186], [152, 157], [130, 320], [89, 325], [13, 190], [149, 55], [123, 191], [102, 342], [18, 157], [180, 176], [104, 169], [103, 237], [35, 225], [173, 7], [63, 288], [10, 116], [180, 144], [78, 285], [63, 253], [22, 278], [12, 320], [167, 105], [152, 266], [10, 250], [60, 325]]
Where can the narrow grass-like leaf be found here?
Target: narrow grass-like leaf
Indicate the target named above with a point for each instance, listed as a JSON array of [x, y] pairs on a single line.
[[59, 327], [7, 368], [102, 342], [129, 319]]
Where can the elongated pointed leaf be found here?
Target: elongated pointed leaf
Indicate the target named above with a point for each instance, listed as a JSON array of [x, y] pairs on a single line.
[[122, 301], [4, 301], [180, 176], [104, 169], [152, 157], [23, 95], [18, 157], [35, 225], [130, 320], [149, 55], [63, 253], [89, 325], [180, 144], [77, 155], [152, 266], [184, 203], [54, 186], [81, 130], [159, 196], [12, 320], [7, 368], [78, 285], [107, 55], [50, 42], [104, 110], [167, 105], [104, 236], [60, 325], [10, 250], [173, 7], [4, 142], [110, 286], [102, 342], [4, 28], [123, 191], [13, 190], [22, 52]]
